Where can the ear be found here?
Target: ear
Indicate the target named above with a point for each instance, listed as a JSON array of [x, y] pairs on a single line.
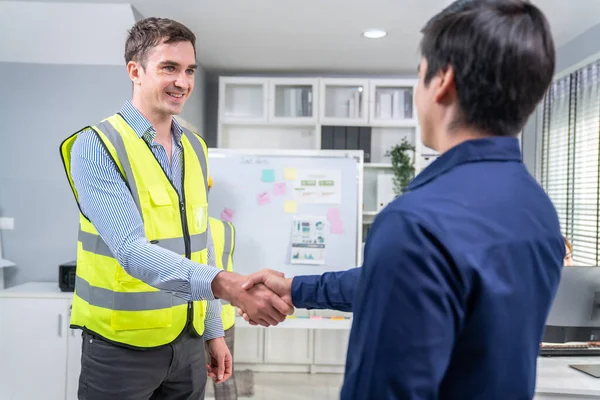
[[134, 70], [446, 85]]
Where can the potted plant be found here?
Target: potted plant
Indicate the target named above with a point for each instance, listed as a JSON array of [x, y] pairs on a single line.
[[402, 156]]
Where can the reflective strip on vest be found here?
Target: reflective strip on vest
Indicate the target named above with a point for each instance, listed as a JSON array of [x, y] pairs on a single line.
[[95, 244], [197, 146], [125, 301], [117, 141], [227, 246]]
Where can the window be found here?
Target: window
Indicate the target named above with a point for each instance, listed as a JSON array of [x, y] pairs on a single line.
[[570, 158]]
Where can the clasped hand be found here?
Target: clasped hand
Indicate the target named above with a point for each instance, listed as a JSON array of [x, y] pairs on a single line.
[[267, 285]]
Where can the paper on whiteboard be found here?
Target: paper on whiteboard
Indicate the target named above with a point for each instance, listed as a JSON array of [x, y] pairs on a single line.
[[318, 187], [308, 240]]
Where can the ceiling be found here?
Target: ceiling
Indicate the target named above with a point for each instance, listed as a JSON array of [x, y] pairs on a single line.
[[324, 35]]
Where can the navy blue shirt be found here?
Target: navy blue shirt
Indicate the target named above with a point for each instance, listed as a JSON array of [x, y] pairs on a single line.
[[458, 277]]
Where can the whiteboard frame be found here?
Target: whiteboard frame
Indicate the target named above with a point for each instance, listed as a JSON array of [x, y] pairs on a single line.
[[356, 154]]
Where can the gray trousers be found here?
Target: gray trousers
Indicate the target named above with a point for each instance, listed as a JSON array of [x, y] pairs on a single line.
[[173, 372], [228, 389]]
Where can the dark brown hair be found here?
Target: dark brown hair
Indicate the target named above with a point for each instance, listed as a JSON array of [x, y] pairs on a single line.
[[503, 57], [151, 32]]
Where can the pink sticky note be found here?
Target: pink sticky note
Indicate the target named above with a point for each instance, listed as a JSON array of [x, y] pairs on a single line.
[[264, 198], [337, 227], [333, 214], [280, 189], [227, 215]]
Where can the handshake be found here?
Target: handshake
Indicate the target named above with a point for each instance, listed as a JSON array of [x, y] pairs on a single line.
[[263, 298]]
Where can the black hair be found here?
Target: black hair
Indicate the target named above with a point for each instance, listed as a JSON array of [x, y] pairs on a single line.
[[503, 57]]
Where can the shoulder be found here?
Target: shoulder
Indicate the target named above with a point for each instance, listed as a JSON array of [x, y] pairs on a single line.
[[89, 147]]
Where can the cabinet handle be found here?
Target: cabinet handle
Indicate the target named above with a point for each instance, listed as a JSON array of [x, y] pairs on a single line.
[[59, 325]]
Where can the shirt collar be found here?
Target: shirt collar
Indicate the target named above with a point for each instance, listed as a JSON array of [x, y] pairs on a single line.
[[143, 128], [470, 151]]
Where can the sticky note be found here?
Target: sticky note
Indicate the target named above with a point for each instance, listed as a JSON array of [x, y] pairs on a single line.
[[264, 198], [280, 189], [316, 317], [289, 206], [337, 227], [227, 215], [268, 175], [333, 214], [289, 174]]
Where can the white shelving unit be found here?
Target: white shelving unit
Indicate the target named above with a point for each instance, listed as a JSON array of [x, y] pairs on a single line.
[[291, 113]]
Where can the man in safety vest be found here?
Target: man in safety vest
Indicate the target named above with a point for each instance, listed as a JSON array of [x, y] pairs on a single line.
[[223, 235], [147, 286]]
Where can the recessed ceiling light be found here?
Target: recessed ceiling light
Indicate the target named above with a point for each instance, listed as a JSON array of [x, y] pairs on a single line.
[[374, 33]]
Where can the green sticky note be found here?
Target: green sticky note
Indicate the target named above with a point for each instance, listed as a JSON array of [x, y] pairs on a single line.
[[268, 175]]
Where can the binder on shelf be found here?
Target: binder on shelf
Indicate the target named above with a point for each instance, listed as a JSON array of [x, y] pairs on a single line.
[[352, 138], [364, 142], [347, 138], [327, 138], [339, 137]]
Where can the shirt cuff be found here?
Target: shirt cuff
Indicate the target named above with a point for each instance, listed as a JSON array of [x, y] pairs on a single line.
[[304, 291], [213, 325], [201, 281]]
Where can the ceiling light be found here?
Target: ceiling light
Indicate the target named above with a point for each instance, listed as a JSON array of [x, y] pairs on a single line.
[[374, 33]]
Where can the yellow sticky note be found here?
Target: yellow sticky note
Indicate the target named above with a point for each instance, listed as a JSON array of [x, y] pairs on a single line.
[[289, 174], [289, 206]]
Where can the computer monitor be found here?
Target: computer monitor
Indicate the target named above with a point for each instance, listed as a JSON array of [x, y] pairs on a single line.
[[577, 301], [575, 311]]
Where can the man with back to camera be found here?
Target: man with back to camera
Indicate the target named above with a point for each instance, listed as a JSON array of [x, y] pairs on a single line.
[[145, 258], [460, 272]]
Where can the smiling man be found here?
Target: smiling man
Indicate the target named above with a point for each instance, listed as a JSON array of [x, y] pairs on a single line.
[[145, 257]]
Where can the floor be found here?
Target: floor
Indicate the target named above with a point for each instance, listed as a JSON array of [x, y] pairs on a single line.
[[277, 386]]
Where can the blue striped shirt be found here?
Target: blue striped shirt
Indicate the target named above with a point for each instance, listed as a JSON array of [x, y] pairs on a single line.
[[106, 201]]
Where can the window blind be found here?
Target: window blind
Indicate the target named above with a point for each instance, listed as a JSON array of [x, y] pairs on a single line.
[[570, 158]]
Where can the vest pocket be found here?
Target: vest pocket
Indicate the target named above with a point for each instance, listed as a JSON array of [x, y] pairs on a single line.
[[159, 196]]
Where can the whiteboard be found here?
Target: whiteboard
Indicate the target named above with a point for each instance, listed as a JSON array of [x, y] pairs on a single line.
[[250, 188]]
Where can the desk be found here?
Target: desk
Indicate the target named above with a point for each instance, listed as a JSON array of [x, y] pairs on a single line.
[[556, 380]]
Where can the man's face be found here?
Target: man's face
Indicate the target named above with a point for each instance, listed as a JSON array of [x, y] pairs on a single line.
[[167, 80], [424, 102]]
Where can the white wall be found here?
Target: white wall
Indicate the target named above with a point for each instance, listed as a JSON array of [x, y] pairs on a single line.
[[64, 33]]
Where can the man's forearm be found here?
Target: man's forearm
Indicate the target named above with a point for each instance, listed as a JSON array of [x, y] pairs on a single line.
[[331, 290]]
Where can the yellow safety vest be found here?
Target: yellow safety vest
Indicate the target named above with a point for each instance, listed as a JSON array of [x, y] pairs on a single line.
[[223, 235], [107, 300]]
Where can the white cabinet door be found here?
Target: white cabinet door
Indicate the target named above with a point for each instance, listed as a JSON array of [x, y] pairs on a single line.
[[73, 362], [33, 348], [248, 347], [331, 346], [288, 346]]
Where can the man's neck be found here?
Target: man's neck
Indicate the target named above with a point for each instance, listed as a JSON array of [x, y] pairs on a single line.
[[450, 139], [160, 122]]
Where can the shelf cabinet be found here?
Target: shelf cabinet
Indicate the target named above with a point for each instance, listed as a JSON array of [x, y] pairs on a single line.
[[292, 101], [243, 100], [392, 103], [344, 101]]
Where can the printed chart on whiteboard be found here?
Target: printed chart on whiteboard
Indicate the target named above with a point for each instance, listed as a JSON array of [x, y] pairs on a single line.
[[318, 186], [308, 240]]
